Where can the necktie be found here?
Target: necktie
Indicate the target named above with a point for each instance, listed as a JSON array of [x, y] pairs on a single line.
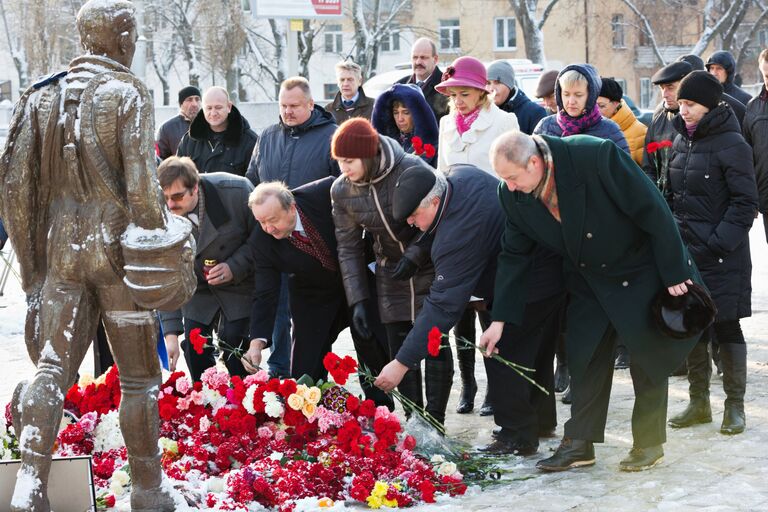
[[300, 237], [348, 103], [420, 83]]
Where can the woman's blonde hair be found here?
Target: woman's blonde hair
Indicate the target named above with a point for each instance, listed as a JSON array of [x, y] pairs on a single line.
[[571, 78], [484, 103]]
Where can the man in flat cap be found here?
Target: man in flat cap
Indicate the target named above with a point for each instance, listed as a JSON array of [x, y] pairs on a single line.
[[170, 132], [545, 90], [661, 129], [462, 215]]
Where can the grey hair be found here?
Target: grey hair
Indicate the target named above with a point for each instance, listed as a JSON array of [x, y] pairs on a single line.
[[516, 147], [348, 65], [437, 190], [264, 191], [571, 78]]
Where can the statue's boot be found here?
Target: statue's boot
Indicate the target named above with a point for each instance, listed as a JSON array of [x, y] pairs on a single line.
[[31, 491], [147, 491]]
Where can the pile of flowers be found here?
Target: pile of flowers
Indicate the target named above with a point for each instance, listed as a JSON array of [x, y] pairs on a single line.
[[243, 444]]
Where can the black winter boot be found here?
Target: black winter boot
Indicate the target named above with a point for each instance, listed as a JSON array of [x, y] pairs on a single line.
[[466, 357], [439, 378], [734, 358], [698, 409]]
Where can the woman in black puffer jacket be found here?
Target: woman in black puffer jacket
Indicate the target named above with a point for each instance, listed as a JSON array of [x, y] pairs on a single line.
[[362, 201], [714, 200]]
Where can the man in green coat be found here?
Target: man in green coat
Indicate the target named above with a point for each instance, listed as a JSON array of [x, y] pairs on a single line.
[[587, 200]]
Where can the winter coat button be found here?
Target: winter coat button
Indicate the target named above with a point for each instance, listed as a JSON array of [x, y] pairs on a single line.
[[719, 260], [706, 176], [589, 235], [689, 261], [603, 265], [625, 284], [582, 265]]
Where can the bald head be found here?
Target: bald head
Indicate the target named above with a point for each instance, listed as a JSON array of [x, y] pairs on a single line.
[[216, 108], [516, 159], [423, 58], [108, 28]]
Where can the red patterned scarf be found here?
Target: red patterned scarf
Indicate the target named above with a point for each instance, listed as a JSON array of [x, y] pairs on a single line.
[[464, 122], [313, 244], [546, 192]]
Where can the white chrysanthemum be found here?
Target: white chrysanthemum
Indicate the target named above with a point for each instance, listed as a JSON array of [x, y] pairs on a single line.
[[446, 469], [248, 400], [273, 409], [215, 484], [107, 435], [437, 458], [278, 456], [121, 477]]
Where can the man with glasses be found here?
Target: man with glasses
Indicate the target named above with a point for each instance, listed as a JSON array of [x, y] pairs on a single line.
[[217, 206]]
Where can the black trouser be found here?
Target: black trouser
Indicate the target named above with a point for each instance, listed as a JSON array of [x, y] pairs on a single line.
[[728, 331], [592, 391], [234, 333], [373, 353], [520, 408]]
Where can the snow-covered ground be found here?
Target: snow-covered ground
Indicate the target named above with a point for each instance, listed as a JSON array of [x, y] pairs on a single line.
[[703, 470]]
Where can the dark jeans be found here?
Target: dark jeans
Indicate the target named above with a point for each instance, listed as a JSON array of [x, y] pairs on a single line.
[[521, 409], [234, 333], [591, 393], [279, 361]]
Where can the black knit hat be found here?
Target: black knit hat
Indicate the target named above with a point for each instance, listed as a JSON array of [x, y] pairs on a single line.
[[701, 87], [684, 316], [411, 188], [611, 89], [671, 73], [188, 91], [696, 62]]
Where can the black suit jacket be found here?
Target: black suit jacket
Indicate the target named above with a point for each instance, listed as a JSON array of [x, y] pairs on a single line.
[[316, 294], [437, 101]]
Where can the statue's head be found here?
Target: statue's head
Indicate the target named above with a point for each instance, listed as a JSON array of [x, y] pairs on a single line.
[[108, 28]]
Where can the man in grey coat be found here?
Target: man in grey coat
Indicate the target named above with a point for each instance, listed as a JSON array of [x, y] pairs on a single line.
[[217, 206]]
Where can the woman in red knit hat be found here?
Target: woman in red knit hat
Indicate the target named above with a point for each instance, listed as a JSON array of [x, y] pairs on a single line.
[[362, 202]]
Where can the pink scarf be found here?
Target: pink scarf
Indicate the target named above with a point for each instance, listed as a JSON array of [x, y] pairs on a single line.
[[464, 122]]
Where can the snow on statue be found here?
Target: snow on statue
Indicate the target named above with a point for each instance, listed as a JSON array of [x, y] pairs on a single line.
[[81, 202]]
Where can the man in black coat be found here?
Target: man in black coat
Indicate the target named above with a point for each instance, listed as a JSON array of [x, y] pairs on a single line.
[[297, 237], [722, 65], [756, 133], [350, 100], [220, 138], [170, 132], [510, 98], [462, 216], [216, 205], [296, 150], [427, 75]]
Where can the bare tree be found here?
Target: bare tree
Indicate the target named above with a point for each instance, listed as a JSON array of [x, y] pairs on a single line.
[[373, 20], [307, 45], [15, 42], [716, 22], [221, 30], [532, 25]]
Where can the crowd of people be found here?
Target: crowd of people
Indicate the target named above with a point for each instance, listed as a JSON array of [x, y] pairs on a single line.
[[387, 216], [454, 198]]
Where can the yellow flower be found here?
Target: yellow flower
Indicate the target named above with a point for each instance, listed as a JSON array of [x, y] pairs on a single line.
[[325, 502], [169, 445], [295, 401], [301, 390], [85, 379], [313, 395], [389, 503], [309, 410], [380, 489], [373, 501]]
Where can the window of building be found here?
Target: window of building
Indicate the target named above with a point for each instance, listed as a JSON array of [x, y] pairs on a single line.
[[391, 41], [505, 34], [645, 93], [330, 90], [617, 27], [333, 39], [762, 38], [450, 38]]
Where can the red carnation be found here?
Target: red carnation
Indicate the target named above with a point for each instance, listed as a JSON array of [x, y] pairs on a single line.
[[429, 150], [652, 147], [665, 144], [367, 408], [331, 361], [434, 338], [352, 403], [198, 341]]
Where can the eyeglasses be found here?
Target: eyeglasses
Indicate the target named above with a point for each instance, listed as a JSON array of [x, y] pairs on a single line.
[[178, 196]]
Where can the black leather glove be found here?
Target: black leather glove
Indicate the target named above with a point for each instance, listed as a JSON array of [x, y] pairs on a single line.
[[405, 269], [360, 320]]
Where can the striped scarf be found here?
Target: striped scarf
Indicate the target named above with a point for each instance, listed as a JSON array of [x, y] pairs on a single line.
[[575, 125], [546, 192]]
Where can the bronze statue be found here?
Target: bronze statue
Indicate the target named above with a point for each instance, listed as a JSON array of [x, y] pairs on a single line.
[[80, 198]]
